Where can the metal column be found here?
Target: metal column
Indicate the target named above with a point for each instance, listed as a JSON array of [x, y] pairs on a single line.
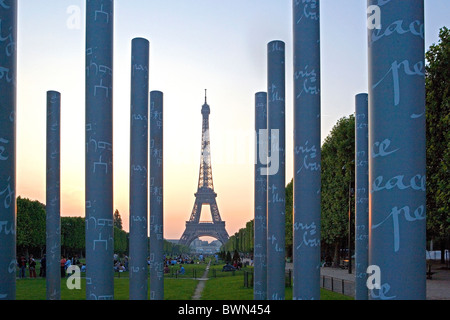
[[99, 150], [260, 250], [397, 142], [8, 69], [53, 197], [362, 196], [307, 150], [156, 197], [139, 170], [276, 189]]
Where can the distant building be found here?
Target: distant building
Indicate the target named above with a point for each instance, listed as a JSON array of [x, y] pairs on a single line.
[[199, 246]]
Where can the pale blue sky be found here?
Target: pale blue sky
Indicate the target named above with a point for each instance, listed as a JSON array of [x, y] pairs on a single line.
[[195, 44]]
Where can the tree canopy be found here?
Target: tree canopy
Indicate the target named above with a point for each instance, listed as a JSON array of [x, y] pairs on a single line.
[[438, 138], [338, 169], [31, 224], [117, 220], [31, 235]]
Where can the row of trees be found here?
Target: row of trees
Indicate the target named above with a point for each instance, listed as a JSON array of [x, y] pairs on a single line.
[[338, 168], [173, 249], [242, 240], [31, 236], [228, 258], [438, 141]]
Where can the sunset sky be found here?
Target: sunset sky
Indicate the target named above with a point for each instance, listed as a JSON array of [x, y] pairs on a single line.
[[195, 44]]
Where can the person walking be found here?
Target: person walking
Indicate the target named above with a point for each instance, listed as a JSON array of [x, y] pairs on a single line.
[[182, 270]]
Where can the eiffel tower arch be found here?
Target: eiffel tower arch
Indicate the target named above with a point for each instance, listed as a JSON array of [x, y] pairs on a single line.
[[205, 195]]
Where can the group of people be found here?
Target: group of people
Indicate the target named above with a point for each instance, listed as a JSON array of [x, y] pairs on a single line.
[[120, 265], [237, 264], [70, 261], [182, 270], [181, 259], [23, 263]]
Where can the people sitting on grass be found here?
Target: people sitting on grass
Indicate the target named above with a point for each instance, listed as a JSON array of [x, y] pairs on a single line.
[[182, 270], [237, 265], [119, 267]]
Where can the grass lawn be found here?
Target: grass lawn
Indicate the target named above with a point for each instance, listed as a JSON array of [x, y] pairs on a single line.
[[220, 286], [176, 286], [174, 289], [191, 271], [232, 288]]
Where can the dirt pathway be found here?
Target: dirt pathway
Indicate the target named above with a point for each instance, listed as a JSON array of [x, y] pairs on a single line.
[[201, 284]]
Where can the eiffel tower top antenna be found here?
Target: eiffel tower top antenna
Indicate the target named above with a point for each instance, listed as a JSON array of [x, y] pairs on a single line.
[[206, 100]]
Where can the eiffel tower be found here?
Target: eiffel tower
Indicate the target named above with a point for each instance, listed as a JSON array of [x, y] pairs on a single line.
[[205, 195]]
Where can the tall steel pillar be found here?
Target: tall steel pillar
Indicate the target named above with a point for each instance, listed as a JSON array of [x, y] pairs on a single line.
[[276, 188], [362, 196], [139, 170], [307, 151], [53, 196], [8, 80], [99, 150], [156, 197], [397, 142], [260, 233]]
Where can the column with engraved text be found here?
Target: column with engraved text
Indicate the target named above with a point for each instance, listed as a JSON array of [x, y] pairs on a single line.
[[276, 180], [8, 78], [53, 197], [139, 170], [260, 251], [397, 143], [156, 197], [361, 196], [99, 150], [307, 150]]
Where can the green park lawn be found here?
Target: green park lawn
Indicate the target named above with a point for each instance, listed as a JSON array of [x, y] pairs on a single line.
[[176, 286], [232, 287], [174, 289], [220, 286]]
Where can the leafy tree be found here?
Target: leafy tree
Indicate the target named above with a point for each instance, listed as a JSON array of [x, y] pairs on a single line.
[[117, 220], [120, 240], [228, 259], [338, 168], [438, 139], [31, 227], [243, 240], [72, 235], [31, 224], [250, 234], [236, 256], [174, 249]]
